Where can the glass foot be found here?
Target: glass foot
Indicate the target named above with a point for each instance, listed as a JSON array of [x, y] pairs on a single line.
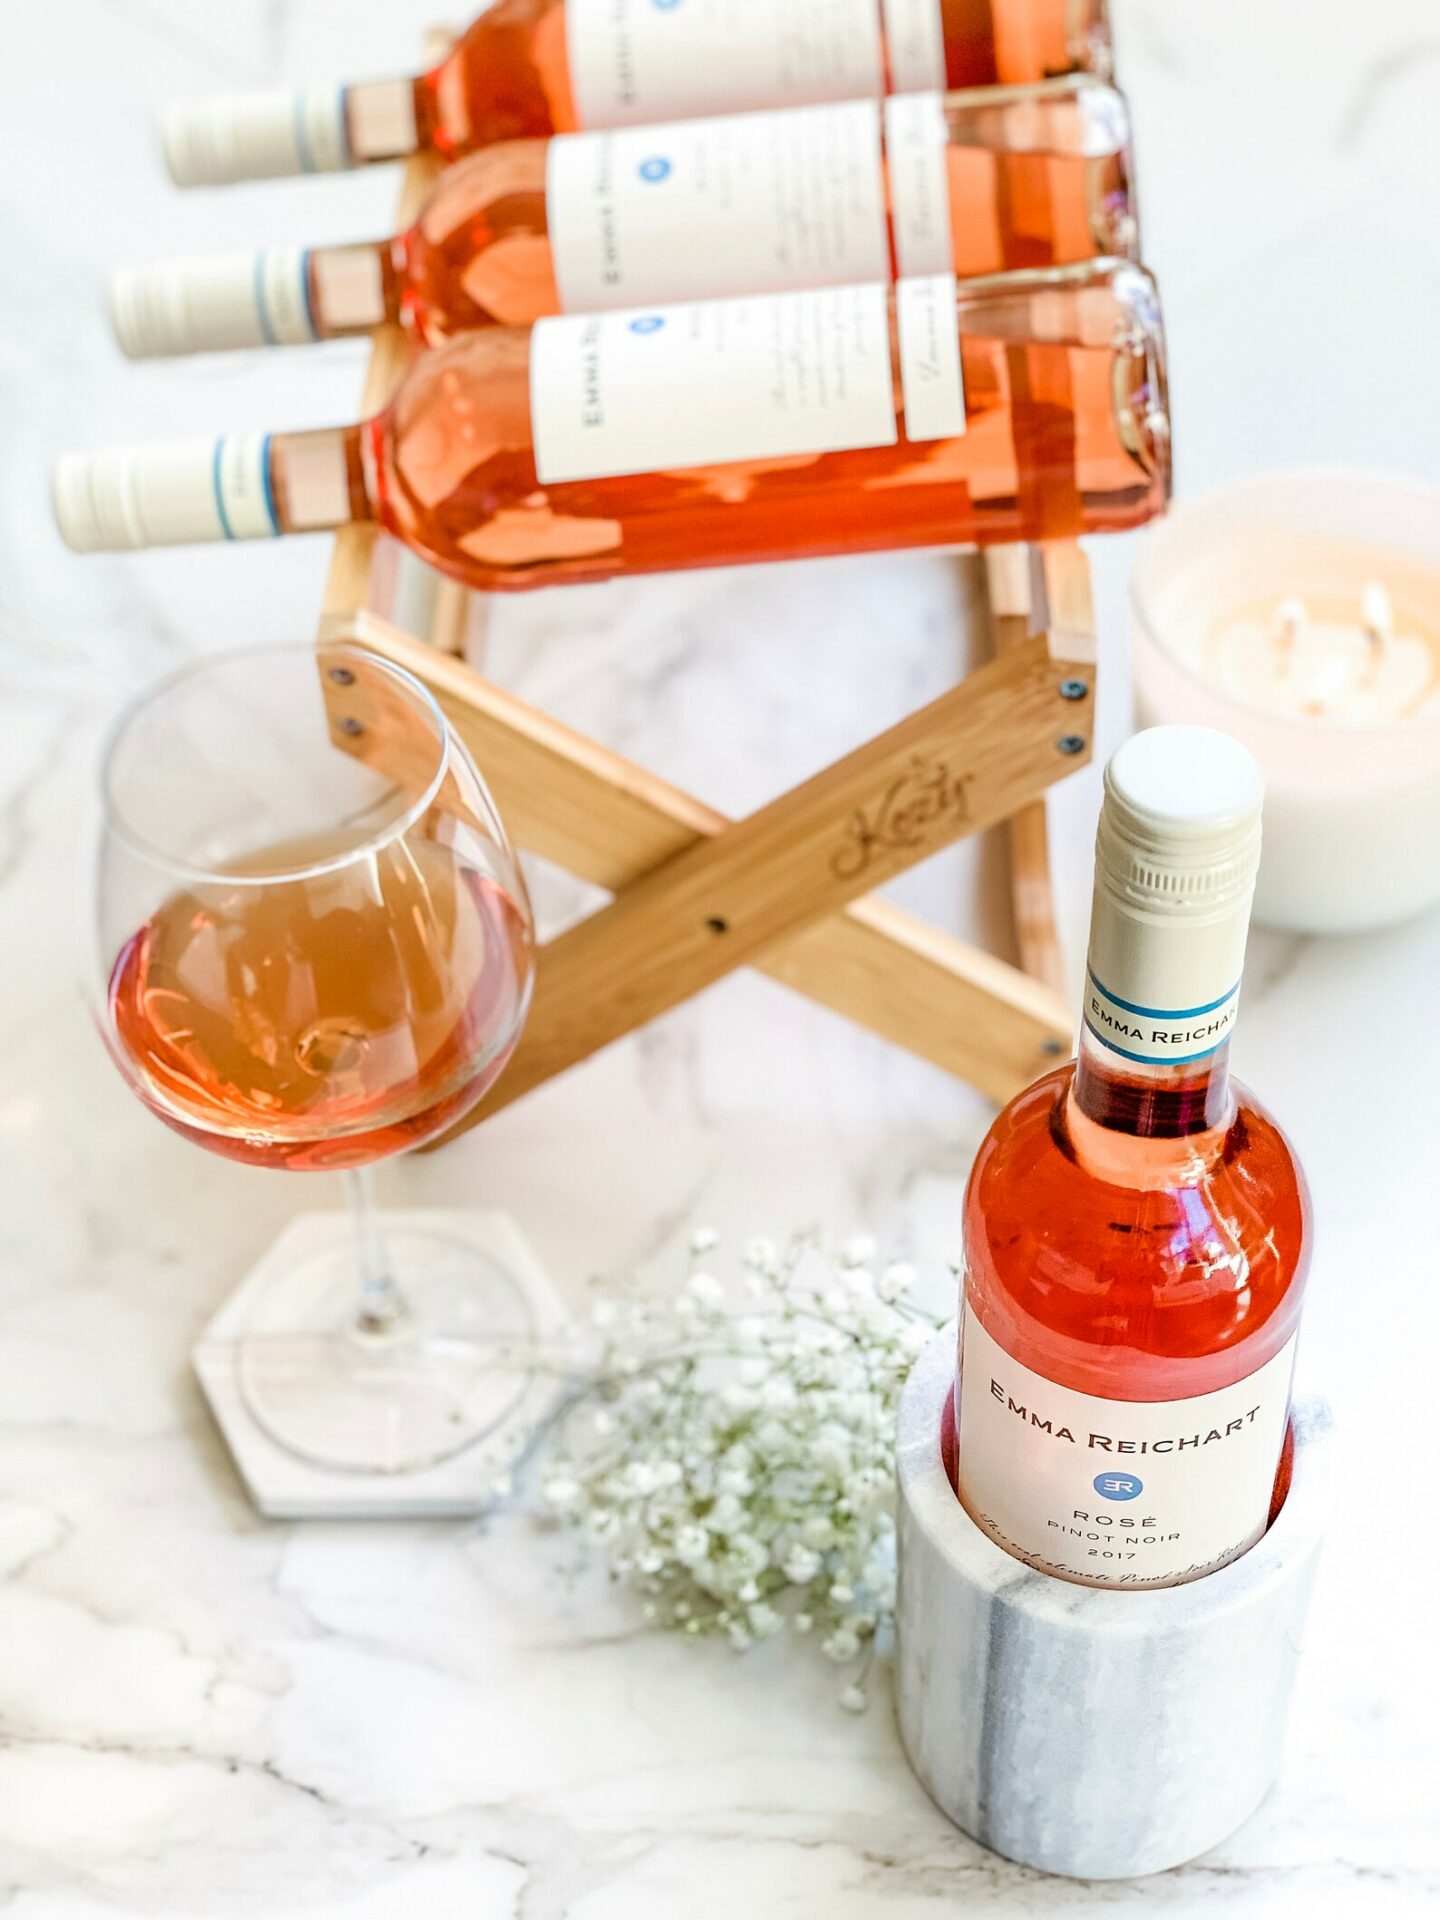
[[447, 1373]]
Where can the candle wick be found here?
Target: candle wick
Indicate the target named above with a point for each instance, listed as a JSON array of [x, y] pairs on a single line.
[[1377, 615], [1290, 617]]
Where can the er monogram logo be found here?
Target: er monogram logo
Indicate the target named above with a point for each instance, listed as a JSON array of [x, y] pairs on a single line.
[[925, 795], [1118, 1486]]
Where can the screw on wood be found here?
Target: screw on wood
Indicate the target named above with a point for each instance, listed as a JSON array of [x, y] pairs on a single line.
[[1074, 689], [342, 676], [1071, 743], [351, 727]]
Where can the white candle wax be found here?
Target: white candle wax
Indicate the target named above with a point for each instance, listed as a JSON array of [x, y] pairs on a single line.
[[1301, 613]]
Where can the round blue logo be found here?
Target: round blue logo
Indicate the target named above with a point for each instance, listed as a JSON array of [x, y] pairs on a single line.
[[655, 168], [650, 323], [1118, 1486]]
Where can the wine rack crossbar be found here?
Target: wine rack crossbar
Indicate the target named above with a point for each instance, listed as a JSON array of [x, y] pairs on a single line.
[[788, 889]]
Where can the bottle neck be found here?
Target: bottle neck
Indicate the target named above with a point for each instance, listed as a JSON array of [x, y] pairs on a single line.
[[318, 479], [382, 120], [290, 130], [275, 297], [1162, 991], [352, 289], [1150, 1101]]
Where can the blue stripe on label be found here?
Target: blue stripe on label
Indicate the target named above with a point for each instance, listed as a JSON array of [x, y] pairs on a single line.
[[268, 488], [262, 305], [225, 526], [305, 294], [302, 137], [1156, 1060], [1165, 1013]]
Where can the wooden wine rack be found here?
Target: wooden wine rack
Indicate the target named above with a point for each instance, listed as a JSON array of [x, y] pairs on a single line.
[[788, 889]]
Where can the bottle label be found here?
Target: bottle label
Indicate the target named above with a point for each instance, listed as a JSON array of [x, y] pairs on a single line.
[[281, 290], [933, 378], [1117, 1493], [774, 377], [915, 150], [745, 203], [915, 43], [636, 61], [1159, 1035]]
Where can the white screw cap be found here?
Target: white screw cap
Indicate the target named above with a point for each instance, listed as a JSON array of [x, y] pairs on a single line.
[[225, 300], [255, 136], [173, 494]]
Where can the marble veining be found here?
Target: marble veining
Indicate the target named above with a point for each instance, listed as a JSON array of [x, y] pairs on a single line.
[[203, 1715]]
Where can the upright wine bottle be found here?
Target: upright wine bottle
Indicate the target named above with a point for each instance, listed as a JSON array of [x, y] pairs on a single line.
[[551, 66], [1022, 406], [973, 182], [1137, 1229]]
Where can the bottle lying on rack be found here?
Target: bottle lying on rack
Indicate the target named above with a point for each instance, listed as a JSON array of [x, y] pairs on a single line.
[[975, 182], [552, 66], [1137, 1229], [1022, 406]]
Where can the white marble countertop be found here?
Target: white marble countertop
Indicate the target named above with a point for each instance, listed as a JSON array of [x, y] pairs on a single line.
[[204, 1715]]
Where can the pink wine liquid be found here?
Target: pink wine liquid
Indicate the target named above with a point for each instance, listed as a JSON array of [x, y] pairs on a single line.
[[509, 74], [325, 1023]]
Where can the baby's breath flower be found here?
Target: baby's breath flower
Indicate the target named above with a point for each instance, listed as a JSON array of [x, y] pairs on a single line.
[[801, 1565], [706, 1289], [738, 1470], [692, 1544], [895, 1281]]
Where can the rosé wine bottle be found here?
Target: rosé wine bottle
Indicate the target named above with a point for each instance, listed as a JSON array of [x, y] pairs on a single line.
[[552, 66], [1022, 406], [977, 182], [1137, 1228]]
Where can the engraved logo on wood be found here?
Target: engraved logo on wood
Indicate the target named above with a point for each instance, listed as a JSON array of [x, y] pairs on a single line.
[[925, 796]]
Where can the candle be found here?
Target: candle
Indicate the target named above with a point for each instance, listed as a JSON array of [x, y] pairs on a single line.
[[1301, 613]]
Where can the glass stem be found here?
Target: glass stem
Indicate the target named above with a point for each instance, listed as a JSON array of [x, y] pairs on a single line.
[[381, 1308]]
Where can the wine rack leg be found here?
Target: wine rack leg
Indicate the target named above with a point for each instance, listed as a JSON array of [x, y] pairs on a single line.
[[1022, 583]]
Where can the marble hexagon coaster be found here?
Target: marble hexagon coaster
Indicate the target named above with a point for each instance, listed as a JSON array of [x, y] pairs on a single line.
[[285, 1487], [1083, 1731]]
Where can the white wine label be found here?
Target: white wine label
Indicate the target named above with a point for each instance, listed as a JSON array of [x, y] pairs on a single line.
[[915, 42], [1117, 1493], [633, 61], [932, 377], [747, 203], [240, 480], [915, 149], [774, 376], [318, 118], [281, 282], [1170, 1035]]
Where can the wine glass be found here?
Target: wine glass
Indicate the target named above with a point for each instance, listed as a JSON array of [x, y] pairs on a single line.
[[312, 949]]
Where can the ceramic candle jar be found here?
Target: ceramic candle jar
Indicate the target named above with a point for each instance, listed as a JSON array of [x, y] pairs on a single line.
[[1300, 612]]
